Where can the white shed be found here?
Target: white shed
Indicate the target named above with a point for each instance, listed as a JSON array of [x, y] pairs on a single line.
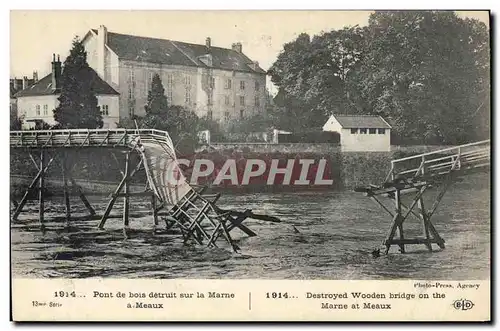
[[361, 133]]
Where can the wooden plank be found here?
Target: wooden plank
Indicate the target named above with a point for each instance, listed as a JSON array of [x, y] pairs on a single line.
[[413, 241]]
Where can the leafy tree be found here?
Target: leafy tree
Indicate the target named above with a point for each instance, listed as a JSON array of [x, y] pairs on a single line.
[[15, 122], [77, 103], [427, 73], [181, 124], [157, 101], [311, 75]]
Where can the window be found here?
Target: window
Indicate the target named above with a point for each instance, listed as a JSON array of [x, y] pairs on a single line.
[[130, 93], [170, 80], [242, 113], [226, 100], [257, 101], [257, 85], [209, 99], [242, 85], [187, 80], [362, 131], [242, 100], [381, 131], [105, 110], [131, 111], [188, 97], [170, 83], [226, 115], [131, 75], [209, 114], [151, 75], [354, 131], [45, 110], [212, 82], [228, 84], [37, 110], [372, 131]]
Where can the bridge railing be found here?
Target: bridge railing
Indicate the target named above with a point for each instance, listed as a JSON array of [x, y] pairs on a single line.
[[86, 137], [441, 161]]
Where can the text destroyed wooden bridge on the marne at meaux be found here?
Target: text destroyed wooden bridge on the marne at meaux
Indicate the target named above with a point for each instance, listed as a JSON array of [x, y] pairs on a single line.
[[414, 175], [181, 206]]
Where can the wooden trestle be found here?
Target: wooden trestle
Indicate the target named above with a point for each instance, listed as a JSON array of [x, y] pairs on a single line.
[[415, 175], [196, 214]]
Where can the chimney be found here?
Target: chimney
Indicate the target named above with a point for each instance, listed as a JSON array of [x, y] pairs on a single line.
[[237, 47], [25, 82], [35, 76], [208, 42], [56, 72], [102, 40], [14, 84]]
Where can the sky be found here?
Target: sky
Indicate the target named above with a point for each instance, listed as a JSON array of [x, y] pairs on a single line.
[[36, 34]]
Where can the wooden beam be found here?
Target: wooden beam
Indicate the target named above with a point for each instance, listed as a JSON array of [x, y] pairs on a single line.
[[41, 192], [65, 189], [111, 202], [155, 210], [82, 196], [397, 200], [425, 225], [126, 206], [413, 241], [30, 189]]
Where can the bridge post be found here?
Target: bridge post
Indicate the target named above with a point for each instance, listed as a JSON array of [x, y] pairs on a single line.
[[41, 188], [65, 188], [126, 206]]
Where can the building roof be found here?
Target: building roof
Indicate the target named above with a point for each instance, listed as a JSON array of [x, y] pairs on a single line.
[[18, 82], [164, 51], [44, 86], [362, 121]]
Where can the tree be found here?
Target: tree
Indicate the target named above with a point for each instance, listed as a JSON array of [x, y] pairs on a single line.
[[427, 73], [157, 101], [78, 106], [181, 124], [15, 122], [311, 75]]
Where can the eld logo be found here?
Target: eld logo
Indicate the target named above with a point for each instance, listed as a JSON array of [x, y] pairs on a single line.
[[463, 304]]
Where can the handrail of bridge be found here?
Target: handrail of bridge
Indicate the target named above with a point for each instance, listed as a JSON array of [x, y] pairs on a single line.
[[475, 154], [86, 137]]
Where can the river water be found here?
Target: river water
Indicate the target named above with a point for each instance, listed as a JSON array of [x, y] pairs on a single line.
[[336, 233]]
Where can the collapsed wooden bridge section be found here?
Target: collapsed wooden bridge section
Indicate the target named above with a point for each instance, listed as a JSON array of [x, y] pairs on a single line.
[[173, 199], [413, 176]]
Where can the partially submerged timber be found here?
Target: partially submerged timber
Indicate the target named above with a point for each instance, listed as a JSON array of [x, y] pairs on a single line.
[[180, 205], [413, 176]]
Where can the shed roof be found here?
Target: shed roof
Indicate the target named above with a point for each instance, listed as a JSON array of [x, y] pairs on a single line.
[[362, 121]]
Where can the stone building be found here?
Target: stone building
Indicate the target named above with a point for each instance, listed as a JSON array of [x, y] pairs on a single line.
[[36, 102], [219, 83]]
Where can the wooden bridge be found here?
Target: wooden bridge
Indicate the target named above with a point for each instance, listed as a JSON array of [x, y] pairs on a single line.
[[414, 175], [184, 207]]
